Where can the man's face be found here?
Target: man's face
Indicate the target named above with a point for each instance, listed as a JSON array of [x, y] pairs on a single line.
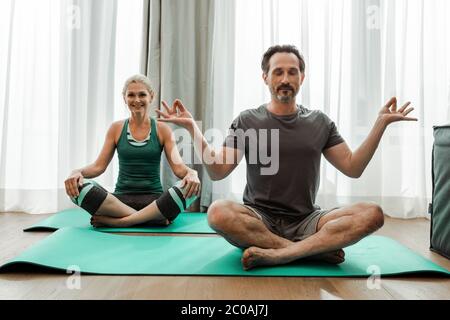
[[284, 77]]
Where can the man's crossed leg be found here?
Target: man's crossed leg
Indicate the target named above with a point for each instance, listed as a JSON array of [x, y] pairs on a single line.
[[336, 230]]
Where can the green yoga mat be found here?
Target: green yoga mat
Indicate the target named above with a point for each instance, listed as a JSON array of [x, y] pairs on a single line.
[[79, 218], [101, 253]]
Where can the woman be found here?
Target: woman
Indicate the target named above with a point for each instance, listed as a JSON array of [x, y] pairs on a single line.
[[138, 197]]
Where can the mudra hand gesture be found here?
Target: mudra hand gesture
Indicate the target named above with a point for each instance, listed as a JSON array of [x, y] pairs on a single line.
[[390, 114], [177, 114]]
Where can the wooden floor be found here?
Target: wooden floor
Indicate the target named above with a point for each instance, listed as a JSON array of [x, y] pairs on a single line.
[[411, 233]]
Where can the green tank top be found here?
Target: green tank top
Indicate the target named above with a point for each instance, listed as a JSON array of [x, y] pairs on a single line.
[[139, 166]]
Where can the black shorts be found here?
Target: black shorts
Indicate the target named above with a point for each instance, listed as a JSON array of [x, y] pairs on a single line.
[[137, 201]]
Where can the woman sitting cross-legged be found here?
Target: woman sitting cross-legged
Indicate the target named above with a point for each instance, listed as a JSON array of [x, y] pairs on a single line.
[[138, 197]]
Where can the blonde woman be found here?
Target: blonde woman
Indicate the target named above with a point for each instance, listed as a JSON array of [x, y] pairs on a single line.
[[138, 197]]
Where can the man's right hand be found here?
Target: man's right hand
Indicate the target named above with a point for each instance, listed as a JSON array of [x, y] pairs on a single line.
[[177, 114], [72, 183]]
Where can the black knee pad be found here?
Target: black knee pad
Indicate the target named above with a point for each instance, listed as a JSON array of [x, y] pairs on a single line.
[[91, 197], [172, 202]]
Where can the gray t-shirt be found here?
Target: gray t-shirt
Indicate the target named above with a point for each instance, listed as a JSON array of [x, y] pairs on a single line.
[[303, 136]]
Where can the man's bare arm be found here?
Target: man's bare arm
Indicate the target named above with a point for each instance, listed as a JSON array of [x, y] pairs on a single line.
[[354, 163], [219, 164]]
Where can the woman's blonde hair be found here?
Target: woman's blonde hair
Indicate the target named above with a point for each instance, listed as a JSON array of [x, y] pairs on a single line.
[[138, 78]]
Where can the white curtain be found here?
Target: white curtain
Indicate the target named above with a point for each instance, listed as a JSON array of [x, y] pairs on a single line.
[[222, 91], [190, 56], [62, 65], [358, 53], [59, 81]]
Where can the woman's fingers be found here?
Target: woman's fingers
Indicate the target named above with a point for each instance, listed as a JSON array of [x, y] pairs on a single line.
[[194, 190], [70, 190], [66, 186], [74, 185], [184, 187], [189, 190]]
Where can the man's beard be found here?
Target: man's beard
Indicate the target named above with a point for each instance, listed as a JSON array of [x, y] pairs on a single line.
[[284, 98]]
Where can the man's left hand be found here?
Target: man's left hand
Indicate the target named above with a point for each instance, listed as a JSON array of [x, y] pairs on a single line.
[[390, 114]]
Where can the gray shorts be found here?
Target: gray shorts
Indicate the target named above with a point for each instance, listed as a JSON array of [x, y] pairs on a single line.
[[290, 227]]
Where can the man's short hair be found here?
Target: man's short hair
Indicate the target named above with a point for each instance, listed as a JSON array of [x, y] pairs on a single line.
[[265, 64]]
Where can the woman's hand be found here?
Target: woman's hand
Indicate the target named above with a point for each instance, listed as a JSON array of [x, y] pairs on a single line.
[[191, 184], [72, 183]]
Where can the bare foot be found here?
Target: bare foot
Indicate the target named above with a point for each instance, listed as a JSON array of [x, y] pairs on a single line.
[[95, 222], [111, 222], [257, 257], [335, 257], [163, 222], [104, 221]]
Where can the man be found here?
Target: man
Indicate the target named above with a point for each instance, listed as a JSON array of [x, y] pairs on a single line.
[[279, 222]]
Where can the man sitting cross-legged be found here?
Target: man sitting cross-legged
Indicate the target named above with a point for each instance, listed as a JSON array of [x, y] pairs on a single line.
[[279, 221]]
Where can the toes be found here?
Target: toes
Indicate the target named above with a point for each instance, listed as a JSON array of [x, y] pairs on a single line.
[[96, 221], [336, 257], [245, 256], [246, 267], [333, 259], [341, 253], [341, 256], [245, 260]]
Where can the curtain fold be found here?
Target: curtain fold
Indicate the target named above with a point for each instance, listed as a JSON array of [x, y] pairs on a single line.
[[218, 112], [187, 60], [87, 87], [6, 37]]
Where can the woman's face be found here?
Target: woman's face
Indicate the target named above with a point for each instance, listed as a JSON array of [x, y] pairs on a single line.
[[138, 98]]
